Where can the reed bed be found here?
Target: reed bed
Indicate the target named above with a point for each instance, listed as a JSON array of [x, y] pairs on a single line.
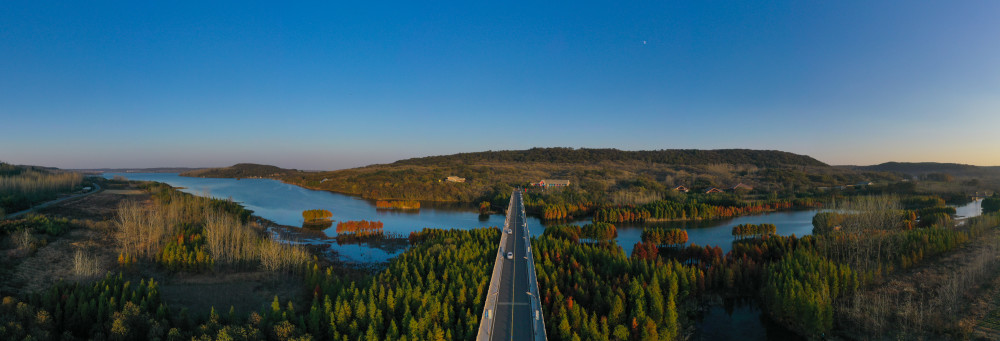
[[143, 231], [237, 244]]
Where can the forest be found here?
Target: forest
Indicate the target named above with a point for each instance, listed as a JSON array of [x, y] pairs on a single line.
[[23, 186], [433, 291], [815, 285]]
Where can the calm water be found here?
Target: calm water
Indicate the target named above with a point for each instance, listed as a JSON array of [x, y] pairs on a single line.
[[739, 320], [971, 209], [284, 203], [719, 232]]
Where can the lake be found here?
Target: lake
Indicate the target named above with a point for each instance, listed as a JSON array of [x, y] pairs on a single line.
[[972, 209], [719, 232], [283, 203]]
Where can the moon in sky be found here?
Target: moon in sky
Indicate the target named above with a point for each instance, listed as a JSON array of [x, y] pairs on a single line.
[[644, 42]]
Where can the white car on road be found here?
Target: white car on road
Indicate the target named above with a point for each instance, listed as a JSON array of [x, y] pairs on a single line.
[[510, 255]]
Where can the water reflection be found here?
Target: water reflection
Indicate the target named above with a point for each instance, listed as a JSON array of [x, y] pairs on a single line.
[[719, 232], [972, 209], [284, 203], [739, 319]]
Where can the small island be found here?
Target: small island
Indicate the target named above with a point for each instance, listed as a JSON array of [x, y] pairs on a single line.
[[397, 204], [317, 219]]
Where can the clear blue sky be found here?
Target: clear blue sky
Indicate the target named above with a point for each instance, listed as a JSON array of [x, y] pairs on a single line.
[[327, 86]]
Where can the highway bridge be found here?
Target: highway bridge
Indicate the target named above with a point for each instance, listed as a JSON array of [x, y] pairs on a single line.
[[512, 310]]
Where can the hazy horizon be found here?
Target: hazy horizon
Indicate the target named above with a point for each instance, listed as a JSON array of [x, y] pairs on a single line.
[[418, 156], [335, 86]]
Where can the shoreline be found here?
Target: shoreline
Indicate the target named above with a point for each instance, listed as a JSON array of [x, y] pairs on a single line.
[[318, 242]]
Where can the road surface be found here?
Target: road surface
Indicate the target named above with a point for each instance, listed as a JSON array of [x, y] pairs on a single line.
[[516, 308]]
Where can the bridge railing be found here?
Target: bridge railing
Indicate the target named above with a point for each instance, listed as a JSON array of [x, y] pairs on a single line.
[[537, 318], [489, 307]]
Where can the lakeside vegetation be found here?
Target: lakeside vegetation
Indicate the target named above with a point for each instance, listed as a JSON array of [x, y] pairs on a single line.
[[318, 214], [186, 232], [317, 219], [398, 204], [359, 227]]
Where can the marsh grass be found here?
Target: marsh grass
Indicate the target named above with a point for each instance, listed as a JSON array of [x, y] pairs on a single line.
[[142, 231], [247, 245]]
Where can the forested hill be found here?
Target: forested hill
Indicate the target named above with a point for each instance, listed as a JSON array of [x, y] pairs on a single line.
[[759, 158], [241, 170], [596, 175], [922, 168]]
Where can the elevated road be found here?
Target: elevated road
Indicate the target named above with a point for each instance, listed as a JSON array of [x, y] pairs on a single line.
[[512, 309]]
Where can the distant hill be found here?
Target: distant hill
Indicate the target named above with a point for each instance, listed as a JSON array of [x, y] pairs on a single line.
[[923, 168], [759, 158], [595, 172], [241, 170], [135, 170]]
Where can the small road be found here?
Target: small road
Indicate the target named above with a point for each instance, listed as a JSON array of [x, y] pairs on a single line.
[[96, 189]]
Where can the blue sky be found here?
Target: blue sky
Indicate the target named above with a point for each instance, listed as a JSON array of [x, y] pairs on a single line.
[[328, 86]]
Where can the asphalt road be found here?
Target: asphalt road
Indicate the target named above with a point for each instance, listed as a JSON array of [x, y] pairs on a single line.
[[513, 311]]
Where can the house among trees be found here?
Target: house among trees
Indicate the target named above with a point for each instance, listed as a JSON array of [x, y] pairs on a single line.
[[455, 179], [551, 183], [681, 188], [713, 190], [742, 186]]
